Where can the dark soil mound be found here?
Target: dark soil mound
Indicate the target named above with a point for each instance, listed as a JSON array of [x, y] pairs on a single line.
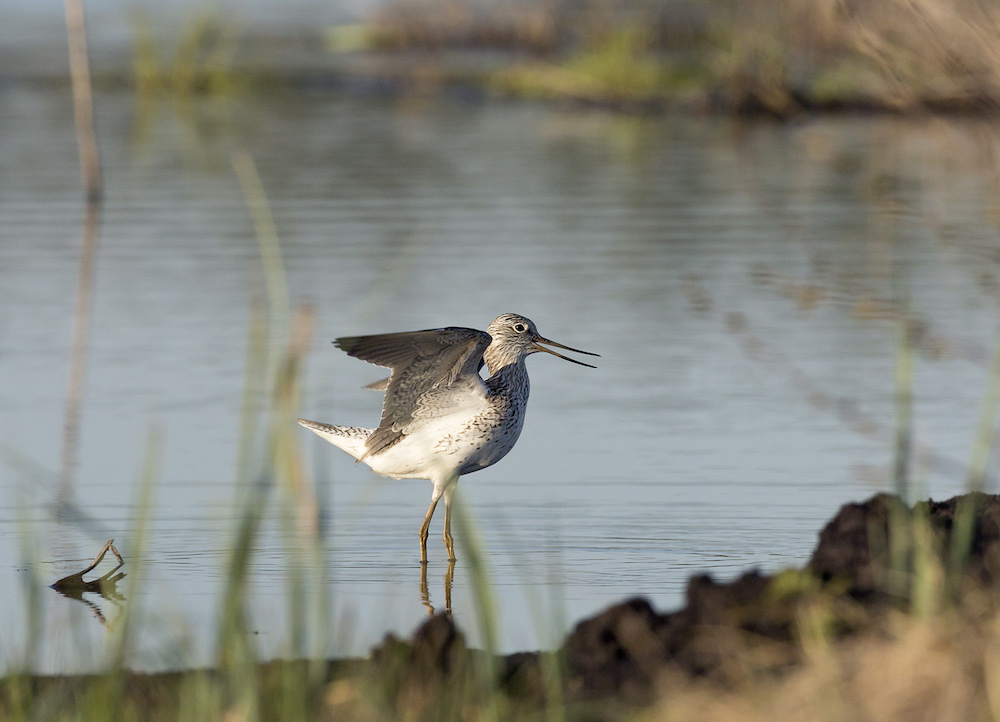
[[863, 567], [865, 542]]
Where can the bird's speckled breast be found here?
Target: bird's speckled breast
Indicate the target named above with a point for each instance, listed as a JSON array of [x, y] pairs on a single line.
[[488, 436]]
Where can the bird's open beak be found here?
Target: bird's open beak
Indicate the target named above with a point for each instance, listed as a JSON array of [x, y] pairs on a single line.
[[538, 347]]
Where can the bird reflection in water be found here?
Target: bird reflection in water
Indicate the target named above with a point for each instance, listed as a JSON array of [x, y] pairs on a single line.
[[425, 596]]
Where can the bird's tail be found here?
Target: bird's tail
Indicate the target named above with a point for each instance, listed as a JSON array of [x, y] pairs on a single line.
[[349, 438]]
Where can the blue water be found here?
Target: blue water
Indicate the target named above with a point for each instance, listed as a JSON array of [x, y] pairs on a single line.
[[743, 283]]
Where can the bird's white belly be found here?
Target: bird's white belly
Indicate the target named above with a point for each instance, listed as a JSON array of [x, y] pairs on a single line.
[[455, 444]]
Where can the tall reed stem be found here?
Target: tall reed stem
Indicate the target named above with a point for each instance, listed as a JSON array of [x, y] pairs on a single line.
[[90, 167]]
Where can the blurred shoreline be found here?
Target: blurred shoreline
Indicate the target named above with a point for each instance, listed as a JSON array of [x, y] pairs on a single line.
[[776, 59]]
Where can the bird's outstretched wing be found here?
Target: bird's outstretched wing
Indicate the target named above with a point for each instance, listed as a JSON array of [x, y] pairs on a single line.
[[423, 364]]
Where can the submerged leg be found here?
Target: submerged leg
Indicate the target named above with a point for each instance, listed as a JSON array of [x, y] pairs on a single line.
[[427, 523], [449, 543]]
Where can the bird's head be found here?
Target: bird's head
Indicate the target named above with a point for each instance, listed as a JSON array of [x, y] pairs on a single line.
[[515, 337]]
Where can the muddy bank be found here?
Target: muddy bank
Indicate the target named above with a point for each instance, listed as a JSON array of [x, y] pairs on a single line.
[[895, 616], [874, 561]]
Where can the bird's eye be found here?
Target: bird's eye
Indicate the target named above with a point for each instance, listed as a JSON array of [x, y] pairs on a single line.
[[520, 327]]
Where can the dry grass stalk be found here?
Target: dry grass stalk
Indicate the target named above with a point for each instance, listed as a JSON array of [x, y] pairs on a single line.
[[83, 110]]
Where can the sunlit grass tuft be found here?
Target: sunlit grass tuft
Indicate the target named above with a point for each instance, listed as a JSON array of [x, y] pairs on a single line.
[[202, 62]]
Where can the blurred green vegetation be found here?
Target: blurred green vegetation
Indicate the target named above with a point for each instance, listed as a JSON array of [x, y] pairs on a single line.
[[755, 56], [772, 56], [202, 61]]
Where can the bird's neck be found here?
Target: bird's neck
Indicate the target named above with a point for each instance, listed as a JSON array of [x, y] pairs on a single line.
[[496, 358], [510, 377]]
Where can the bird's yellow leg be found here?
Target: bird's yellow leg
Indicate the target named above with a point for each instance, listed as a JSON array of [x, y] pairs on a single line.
[[449, 542], [427, 523]]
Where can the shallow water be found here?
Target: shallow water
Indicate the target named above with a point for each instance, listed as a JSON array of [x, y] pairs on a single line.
[[742, 282]]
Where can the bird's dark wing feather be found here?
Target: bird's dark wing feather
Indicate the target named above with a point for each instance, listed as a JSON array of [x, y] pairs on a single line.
[[422, 362]]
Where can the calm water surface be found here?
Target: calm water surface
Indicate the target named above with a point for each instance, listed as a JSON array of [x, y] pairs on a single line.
[[742, 283]]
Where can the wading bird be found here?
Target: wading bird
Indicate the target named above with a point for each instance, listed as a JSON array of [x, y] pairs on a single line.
[[440, 418]]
